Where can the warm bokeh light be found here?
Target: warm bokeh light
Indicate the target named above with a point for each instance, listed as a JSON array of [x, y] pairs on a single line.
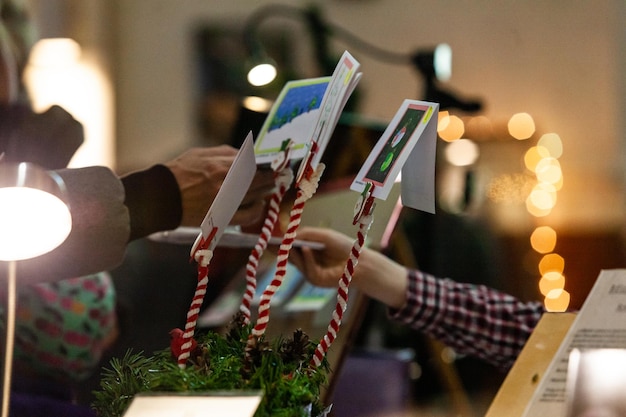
[[262, 74], [462, 152], [510, 188], [551, 281], [521, 126], [548, 170], [453, 130], [552, 142], [58, 73], [533, 155], [541, 200], [552, 262], [257, 104], [542, 160], [559, 184], [557, 300], [536, 211], [543, 239], [443, 119]]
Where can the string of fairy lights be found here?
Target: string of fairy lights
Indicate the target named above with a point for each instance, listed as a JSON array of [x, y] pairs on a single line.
[[536, 187]]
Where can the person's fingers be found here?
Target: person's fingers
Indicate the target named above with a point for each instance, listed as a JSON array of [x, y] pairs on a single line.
[[249, 213], [295, 258], [262, 184]]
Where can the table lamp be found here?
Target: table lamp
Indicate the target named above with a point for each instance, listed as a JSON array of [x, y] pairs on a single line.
[[34, 219]]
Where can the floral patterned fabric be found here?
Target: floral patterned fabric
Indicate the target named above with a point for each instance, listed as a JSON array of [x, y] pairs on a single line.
[[63, 327]]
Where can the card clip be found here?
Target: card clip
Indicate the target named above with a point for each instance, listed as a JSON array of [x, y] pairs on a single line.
[[282, 159], [306, 170], [202, 243], [365, 203]]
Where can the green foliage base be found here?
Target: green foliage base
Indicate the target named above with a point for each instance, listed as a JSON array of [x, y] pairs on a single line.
[[280, 368]]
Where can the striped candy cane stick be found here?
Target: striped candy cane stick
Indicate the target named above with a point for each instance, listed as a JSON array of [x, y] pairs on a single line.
[[306, 190], [342, 292], [363, 214], [202, 256], [283, 181]]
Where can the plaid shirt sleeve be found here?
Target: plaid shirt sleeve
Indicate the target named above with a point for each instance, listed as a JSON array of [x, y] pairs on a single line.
[[472, 319]]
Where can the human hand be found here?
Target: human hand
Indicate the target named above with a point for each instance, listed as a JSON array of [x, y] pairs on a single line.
[[375, 274], [200, 173], [322, 267]]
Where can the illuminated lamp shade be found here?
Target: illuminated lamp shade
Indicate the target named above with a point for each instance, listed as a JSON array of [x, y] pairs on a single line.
[[262, 69], [34, 218], [262, 74]]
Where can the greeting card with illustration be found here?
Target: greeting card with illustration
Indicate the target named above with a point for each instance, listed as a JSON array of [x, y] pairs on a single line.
[[293, 116], [408, 146], [307, 111]]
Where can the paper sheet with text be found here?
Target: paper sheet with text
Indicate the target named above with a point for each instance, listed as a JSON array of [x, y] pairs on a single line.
[[601, 323]]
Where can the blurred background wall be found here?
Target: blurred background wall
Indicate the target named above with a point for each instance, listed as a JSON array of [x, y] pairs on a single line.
[[561, 62]]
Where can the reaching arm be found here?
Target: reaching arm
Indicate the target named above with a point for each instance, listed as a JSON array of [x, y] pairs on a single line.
[[375, 275], [473, 319]]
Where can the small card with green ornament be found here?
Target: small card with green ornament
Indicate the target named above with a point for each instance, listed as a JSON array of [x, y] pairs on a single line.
[[407, 147]]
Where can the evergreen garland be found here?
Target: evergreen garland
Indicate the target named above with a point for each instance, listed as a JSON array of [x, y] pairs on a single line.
[[280, 368]]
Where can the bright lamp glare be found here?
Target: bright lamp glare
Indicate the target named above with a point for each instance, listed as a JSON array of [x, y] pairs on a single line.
[[261, 75], [33, 223], [443, 62], [55, 52]]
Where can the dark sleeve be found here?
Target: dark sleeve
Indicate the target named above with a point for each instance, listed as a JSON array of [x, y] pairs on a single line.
[[153, 200], [100, 229]]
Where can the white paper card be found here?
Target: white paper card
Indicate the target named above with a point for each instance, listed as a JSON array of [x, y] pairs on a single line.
[[342, 84], [231, 193], [185, 405], [600, 324]]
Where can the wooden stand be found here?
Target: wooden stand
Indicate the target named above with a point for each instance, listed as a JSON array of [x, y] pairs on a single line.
[[523, 378]]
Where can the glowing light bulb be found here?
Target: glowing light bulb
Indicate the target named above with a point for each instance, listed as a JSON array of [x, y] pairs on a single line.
[[262, 74]]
